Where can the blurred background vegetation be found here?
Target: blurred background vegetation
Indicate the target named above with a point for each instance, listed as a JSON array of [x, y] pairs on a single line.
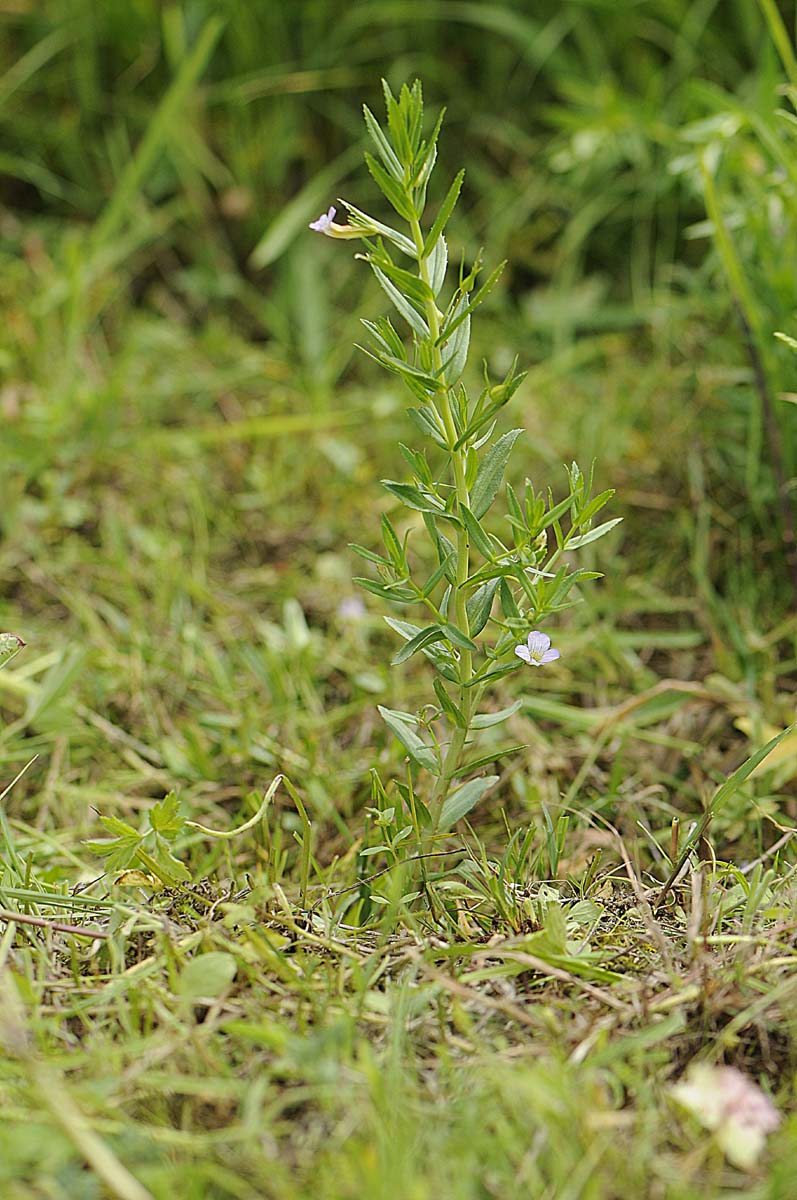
[[181, 386]]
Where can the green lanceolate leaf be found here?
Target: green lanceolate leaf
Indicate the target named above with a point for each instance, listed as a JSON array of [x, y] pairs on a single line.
[[419, 382], [460, 802], [434, 633], [482, 294], [446, 209], [413, 497], [397, 723], [427, 422], [592, 535], [394, 592], [413, 318], [437, 652], [396, 125], [508, 605], [455, 352], [417, 461], [393, 191], [446, 552], [411, 287], [492, 400], [496, 673], [448, 706], [385, 337], [438, 262], [491, 472], [480, 605], [515, 511], [369, 555], [443, 569], [487, 720], [594, 506], [551, 516], [493, 756], [427, 155], [385, 150], [476, 534], [404, 629], [459, 638], [393, 545]]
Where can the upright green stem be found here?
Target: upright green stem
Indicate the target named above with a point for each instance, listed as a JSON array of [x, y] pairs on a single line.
[[458, 462]]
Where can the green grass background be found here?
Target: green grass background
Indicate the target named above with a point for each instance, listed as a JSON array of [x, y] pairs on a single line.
[[190, 440]]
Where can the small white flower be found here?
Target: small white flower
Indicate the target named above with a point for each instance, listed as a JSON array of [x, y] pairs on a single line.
[[537, 649]]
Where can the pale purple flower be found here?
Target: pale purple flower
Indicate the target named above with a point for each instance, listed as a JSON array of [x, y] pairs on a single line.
[[362, 228], [537, 649], [351, 608], [324, 222], [733, 1107]]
